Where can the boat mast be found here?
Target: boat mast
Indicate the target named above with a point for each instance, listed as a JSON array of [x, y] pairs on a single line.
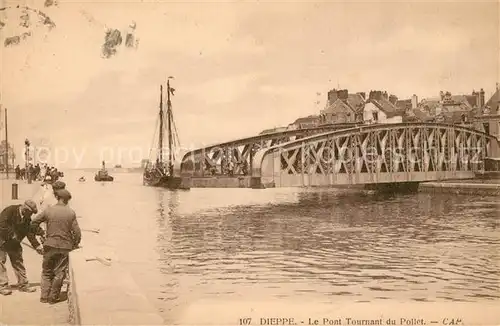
[[160, 142], [169, 116]]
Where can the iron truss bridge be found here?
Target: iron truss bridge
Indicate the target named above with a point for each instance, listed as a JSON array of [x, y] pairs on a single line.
[[235, 158], [347, 155], [375, 154]]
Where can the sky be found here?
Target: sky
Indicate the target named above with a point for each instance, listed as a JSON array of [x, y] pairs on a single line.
[[239, 67]]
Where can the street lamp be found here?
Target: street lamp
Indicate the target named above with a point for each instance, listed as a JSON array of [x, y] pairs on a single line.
[[27, 153]]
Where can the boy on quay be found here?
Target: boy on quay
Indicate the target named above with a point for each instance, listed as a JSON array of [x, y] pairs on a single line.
[[62, 236], [15, 225]]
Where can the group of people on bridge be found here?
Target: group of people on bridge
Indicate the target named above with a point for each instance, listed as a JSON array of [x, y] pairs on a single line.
[[37, 173], [228, 168]]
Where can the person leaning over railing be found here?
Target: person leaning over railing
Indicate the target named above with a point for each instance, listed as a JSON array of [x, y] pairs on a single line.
[[62, 236]]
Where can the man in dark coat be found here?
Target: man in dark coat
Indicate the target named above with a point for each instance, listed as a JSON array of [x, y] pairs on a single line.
[[15, 225], [63, 235], [18, 172]]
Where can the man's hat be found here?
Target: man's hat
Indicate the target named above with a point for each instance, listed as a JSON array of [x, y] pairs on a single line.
[[31, 205], [58, 185], [63, 194]]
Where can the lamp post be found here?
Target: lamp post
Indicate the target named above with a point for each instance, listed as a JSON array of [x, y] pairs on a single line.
[[27, 156]]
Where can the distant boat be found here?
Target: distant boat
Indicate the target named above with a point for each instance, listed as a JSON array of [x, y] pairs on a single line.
[[161, 173], [102, 174], [118, 166], [82, 179]]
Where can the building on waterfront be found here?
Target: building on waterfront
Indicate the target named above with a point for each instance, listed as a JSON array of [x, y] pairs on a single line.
[[406, 104], [493, 104], [454, 109], [488, 123], [305, 122], [343, 107], [381, 108], [488, 120]]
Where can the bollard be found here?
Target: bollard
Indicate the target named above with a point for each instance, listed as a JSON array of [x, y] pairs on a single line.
[[14, 191]]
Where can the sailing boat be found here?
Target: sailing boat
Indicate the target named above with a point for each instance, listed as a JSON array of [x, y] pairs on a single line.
[[161, 173]]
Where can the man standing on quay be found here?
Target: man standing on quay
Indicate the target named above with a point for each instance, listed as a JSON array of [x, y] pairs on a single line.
[[15, 225], [63, 235]]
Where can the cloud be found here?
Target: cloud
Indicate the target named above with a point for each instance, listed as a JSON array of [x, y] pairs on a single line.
[[239, 67]]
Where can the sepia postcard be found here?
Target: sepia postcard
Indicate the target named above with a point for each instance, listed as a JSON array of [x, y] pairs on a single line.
[[249, 162]]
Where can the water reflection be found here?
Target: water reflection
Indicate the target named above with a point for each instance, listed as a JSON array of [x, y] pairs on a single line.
[[317, 245], [337, 245], [167, 205]]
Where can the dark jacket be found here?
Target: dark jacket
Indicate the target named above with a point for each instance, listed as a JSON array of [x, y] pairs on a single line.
[[14, 228], [63, 231]]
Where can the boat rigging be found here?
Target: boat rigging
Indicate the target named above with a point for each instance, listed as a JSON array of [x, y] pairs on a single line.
[[160, 173]]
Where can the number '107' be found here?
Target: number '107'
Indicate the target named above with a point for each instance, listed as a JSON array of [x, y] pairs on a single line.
[[245, 321]]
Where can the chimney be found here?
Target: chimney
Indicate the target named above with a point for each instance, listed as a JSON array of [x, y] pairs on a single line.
[[481, 98], [393, 99], [478, 99], [342, 94], [414, 101], [441, 95], [332, 96]]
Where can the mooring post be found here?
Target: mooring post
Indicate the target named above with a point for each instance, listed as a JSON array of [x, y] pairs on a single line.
[[15, 191]]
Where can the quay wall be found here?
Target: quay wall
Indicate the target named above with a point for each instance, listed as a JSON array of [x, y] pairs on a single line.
[[98, 294], [461, 188], [220, 182], [102, 294], [101, 291]]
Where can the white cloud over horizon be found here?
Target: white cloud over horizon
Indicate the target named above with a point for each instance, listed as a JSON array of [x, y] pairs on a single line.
[[239, 67]]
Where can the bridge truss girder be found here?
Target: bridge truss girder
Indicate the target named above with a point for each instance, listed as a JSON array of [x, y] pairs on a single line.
[[235, 158], [375, 154]]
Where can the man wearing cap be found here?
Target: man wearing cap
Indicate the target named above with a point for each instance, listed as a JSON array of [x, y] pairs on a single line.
[[63, 235], [48, 197], [15, 225]]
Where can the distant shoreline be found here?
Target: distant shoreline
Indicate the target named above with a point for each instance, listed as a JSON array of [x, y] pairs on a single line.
[[124, 170], [115, 170]]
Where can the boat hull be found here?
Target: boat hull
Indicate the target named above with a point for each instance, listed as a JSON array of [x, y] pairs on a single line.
[[165, 182], [108, 178]]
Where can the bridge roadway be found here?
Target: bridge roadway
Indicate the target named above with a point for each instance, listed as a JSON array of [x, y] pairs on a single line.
[[375, 155]]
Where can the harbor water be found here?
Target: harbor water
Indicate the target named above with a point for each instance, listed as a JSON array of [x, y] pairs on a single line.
[[289, 245]]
